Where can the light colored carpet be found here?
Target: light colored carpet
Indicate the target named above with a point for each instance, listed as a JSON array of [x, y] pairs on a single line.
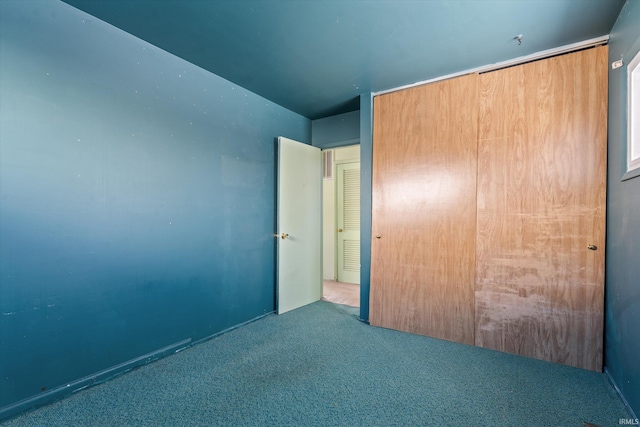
[[341, 293]]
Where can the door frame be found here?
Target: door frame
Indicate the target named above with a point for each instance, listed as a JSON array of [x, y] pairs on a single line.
[[337, 146]]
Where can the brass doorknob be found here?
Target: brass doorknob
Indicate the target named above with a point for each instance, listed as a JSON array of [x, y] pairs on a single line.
[[284, 236], [592, 247], [339, 230], [378, 236]]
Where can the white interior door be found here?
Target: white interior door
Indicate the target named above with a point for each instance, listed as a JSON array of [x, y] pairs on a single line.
[[299, 276], [348, 222]]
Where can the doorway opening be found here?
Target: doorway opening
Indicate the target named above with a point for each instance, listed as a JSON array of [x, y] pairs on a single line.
[[341, 225]]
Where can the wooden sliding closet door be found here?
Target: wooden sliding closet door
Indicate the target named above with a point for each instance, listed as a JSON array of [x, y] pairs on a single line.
[[424, 209], [541, 204]]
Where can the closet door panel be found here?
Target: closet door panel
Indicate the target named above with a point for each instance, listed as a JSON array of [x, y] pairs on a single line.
[[424, 209], [541, 204]]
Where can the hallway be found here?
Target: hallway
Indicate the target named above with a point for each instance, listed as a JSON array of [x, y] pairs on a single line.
[[341, 293]]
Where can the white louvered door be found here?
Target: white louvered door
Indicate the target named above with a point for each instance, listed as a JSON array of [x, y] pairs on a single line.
[[348, 222]]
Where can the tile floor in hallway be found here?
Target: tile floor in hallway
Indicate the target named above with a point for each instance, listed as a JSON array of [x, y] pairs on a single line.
[[341, 293]]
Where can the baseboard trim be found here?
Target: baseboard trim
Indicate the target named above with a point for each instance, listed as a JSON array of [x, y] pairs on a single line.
[[226, 331], [632, 414], [100, 377], [66, 390]]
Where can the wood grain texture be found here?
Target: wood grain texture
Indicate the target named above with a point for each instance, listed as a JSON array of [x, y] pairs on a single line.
[[424, 209], [541, 202]]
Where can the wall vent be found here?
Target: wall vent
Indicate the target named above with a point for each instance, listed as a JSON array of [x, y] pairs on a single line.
[[327, 164]]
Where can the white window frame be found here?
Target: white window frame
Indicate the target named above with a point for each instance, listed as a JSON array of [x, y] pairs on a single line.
[[633, 117]]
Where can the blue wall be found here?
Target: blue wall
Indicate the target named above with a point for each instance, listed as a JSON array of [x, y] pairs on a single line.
[[366, 166], [336, 131], [136, 198], [622, 324]]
